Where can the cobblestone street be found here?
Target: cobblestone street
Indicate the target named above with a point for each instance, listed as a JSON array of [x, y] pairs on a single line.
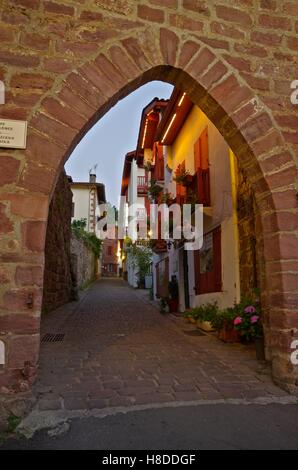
[[118, 350]]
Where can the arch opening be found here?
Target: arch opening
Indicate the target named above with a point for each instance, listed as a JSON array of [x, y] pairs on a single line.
[[225, 106]]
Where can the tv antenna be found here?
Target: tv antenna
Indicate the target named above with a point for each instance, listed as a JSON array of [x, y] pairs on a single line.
[[93, 169]]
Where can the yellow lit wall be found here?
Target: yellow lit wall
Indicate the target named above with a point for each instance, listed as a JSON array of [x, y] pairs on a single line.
[[223, 201]]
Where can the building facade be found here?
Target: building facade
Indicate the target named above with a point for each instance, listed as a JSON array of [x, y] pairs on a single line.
[[200, 168], [181, 158], [109, 258], [86, 199]]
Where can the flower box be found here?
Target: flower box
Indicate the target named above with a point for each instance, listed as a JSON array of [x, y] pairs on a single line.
[[229, 335]]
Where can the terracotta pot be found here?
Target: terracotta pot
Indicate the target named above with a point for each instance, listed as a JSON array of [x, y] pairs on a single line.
[[204, 325], [173, 305], [229, 335]]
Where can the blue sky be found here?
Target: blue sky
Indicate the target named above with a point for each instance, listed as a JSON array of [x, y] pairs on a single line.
[[111, 138]]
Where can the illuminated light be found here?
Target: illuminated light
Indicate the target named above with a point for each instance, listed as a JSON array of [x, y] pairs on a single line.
[[150, 233], [181, 99], [169, 126], [144, 136]]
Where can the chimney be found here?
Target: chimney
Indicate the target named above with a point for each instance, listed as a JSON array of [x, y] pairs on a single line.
[[92, 178]]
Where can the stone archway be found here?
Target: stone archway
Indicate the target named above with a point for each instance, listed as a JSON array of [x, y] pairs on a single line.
[[74, 94]]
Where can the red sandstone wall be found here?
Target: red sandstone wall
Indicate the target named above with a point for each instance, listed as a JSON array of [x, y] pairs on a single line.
[[57, 275], [65, 63]]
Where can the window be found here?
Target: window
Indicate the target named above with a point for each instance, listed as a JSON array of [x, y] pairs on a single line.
[[72, 209], [201, 163], [207, 262]]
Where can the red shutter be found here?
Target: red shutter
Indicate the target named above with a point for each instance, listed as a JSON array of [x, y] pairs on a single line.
[[147, 206], [160, 162], [203, 186], [197, 154], [217, 259], [196, 255], [166, 280], [202, 168], [157, 281], [204, 150]]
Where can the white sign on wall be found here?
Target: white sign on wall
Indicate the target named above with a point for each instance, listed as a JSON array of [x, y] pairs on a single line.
[[13, 134]]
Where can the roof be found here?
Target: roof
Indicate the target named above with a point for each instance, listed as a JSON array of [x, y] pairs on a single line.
[[126, 171], [149, 122], [178, 108], [100, 188]]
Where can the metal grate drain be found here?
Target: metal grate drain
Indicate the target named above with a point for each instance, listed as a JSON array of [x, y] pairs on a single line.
[[52, 337], [194, 332]]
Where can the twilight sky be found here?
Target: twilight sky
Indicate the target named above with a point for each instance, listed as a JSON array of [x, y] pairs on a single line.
[[111, 138]]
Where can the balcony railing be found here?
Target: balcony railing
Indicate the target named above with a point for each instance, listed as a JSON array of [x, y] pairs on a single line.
[[142, 184]]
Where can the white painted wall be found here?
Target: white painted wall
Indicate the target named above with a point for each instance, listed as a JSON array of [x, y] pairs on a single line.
[[81, 203]]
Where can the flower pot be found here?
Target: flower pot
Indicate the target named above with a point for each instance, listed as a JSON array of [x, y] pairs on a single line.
[[173, 305], [188, 180], [260, 348], [204, 325], [229, 335]]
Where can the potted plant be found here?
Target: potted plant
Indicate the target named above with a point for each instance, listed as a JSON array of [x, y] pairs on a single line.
[[167, 198], [154, 190], [164, 307], [182, 176], [173, 300], [223, 322], [248, 322], [205, 315]]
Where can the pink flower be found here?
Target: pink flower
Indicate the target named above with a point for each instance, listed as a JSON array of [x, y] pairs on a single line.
[[254, 318], [237, 321], [250, 309]]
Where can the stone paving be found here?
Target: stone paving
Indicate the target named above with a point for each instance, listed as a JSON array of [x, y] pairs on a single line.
[[118, 350]]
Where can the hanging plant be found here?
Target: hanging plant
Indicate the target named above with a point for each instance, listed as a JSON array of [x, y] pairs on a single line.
[[148, 165], [154, 189], [167, 198], [182, 176]]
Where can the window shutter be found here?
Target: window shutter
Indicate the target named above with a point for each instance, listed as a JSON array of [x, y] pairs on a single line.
[[197, 155], [196, 255], [160, 162], [147, 207], [157, 281], [204, 150], [217, 259], [203, 176]]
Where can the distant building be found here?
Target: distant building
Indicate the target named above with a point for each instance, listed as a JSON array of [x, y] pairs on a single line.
[[109, 259], [136, 178], [86, 199]]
